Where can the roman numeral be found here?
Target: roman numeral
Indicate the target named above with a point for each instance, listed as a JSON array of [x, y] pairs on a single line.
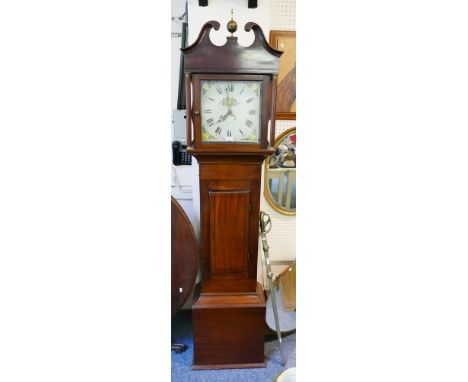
[[249, 100], [242, 90], [229, 133], [249, 123], [252, 112], [208, 111], [241, 132], [211, 98], [210, 121], [218, 130], [230, 87], [220, 91]]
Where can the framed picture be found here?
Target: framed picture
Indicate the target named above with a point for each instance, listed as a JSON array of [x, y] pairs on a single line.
[[285, 41]]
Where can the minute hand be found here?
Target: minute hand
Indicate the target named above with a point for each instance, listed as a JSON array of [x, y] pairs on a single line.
[[223, 117]]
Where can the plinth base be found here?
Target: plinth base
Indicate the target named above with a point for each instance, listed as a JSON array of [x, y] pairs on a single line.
[[229, 330]]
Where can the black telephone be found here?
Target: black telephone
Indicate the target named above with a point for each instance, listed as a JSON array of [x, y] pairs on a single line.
[[180, 155]]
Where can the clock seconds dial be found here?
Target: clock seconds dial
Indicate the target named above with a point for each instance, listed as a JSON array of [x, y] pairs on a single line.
[[230, 111]]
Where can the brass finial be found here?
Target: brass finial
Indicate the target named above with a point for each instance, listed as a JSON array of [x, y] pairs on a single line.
[[232, 25]]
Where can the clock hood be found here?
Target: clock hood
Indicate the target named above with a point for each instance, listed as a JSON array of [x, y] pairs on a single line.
[[231, 57]]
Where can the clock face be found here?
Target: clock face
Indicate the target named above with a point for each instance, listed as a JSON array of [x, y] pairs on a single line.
[[230, 110]]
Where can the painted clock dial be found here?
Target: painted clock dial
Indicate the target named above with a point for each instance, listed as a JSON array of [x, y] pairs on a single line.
[[230, 110]]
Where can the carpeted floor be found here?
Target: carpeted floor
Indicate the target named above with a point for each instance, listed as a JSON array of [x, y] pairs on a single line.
[[181, 367]]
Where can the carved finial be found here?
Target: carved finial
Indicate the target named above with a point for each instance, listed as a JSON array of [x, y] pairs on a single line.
[[232, 25]]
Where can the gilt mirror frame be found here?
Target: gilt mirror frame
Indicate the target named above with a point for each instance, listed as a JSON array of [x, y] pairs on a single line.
[[266, 190]]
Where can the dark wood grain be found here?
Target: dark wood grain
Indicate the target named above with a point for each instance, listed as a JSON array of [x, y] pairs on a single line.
[[231, 57], [229, 330], [184, 257], [227, 286], [229, 177], [229, 219], [229, 171], [229, 314]]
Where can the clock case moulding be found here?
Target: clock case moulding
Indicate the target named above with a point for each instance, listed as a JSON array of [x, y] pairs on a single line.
[[229, 311]]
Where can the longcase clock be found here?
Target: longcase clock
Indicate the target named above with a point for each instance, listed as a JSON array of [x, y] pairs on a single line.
[[230, 98]]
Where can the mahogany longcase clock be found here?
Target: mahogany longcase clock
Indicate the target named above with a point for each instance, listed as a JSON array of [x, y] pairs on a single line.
[[230, 98]]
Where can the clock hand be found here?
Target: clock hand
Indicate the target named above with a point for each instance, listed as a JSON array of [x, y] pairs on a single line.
[[229, 113], [228, 102], [222, 117]]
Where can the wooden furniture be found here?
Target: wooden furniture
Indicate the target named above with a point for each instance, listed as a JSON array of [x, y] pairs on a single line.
[[233, 89], [184, 261]]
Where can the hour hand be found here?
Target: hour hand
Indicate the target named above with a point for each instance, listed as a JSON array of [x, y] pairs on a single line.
[[221, 118], [229, 113]]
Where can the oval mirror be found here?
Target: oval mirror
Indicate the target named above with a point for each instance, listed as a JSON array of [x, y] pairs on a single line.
[[280, 174]]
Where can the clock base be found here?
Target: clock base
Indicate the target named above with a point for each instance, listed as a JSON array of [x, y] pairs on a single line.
[[229, 366], [229, 330]]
